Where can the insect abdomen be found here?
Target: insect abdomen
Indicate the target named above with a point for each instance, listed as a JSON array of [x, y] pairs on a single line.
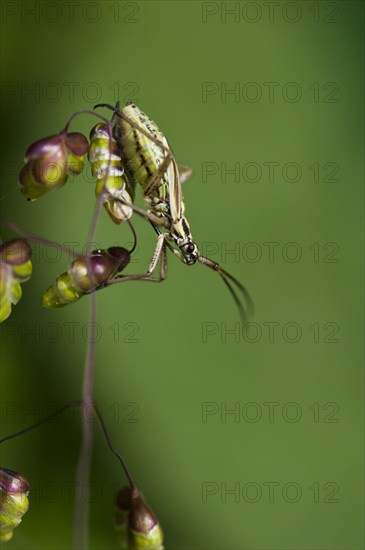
[[143, 155]]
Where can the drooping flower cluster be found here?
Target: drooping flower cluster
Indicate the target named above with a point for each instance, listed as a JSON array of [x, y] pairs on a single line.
[[14, 490], [50, 161], [135, 523], [15, 268], [85, 275]]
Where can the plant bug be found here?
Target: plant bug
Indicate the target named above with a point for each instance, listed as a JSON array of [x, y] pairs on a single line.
[[148, 160]]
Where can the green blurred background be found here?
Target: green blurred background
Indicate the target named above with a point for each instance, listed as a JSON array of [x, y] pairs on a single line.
[[168, 369]]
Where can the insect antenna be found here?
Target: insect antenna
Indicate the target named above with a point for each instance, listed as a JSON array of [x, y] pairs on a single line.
[[108, 106], [245, 312]]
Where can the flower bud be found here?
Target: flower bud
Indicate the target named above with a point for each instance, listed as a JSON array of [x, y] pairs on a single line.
[[14, 490], [137, 526], [15, 268], [50, 161]]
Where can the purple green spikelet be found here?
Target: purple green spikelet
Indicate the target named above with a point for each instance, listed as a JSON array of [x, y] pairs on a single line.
[[135, 523], [15, 268], [107, 168], [85, 275], [14, 490], [48, 164], [50, 161]]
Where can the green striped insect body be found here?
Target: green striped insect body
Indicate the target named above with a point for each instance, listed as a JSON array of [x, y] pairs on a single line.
[[161, 190], [143, 156], [85, 275], [117, 190]]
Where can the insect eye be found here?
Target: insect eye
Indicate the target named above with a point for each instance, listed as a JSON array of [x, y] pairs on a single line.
[[189, 248]]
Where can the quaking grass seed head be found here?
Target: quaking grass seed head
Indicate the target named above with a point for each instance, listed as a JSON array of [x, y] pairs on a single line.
[[107, 168], [50, 161], [15, 268], [85, 275], [135, 523], [14, 490]]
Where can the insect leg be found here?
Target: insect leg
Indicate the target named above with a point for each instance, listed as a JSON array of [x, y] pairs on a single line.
[[154, 180], [159, 254], [169, 167], [146, 214]]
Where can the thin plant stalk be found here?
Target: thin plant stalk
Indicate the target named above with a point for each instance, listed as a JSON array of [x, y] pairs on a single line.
[[80, 534], [37, 239], [66, 407]]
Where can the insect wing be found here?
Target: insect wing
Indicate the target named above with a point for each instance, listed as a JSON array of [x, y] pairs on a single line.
[[174, 191]]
